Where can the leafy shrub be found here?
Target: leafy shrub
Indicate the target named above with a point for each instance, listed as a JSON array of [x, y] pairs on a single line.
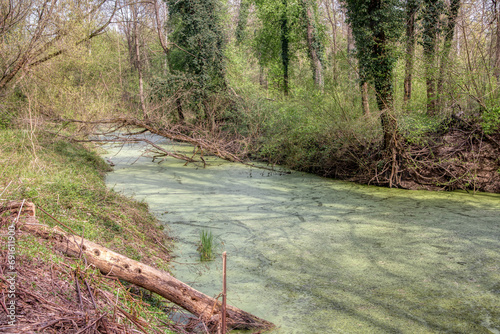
[[491, 120]]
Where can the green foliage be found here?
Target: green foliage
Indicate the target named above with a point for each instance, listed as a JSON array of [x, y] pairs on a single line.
[[491, 120], [376, 26], [279, 37], [242, 21], [197, 31], [5, 120], [416, 127], [206, 246], [311, 131]]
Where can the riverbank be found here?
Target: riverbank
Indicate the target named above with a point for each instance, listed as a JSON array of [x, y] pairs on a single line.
[[445, 152], [316, 255], [65, 181]]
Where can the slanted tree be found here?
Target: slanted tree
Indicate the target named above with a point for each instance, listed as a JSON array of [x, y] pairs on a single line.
[[35, 31]]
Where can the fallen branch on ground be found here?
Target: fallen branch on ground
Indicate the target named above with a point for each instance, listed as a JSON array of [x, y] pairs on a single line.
[[206, 308]]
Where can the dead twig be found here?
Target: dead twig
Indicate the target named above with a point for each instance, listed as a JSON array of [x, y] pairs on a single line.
[[134, 320], [91, 324], [57, 221]]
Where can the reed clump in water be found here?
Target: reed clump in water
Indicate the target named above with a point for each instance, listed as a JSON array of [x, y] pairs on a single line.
[[206, 246]]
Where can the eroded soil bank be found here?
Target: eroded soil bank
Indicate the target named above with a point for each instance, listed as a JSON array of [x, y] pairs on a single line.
[[459, 155], [456, 156]]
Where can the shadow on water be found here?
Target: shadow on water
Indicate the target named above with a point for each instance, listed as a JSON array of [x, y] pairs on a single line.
[[315, 255]]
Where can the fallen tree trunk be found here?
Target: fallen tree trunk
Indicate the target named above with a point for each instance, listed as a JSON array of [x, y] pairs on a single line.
[[218, 147], [206, 308]]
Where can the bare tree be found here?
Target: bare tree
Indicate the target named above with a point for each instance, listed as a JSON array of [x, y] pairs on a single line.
[[314, 50], [411, 15], [35, 31], [496, 12]]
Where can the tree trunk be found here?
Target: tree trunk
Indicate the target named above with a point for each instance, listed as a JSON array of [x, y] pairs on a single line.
[[159, 28], [202, 306], [383, 88], [312, 44], [350, 49], [497, 46], [138, 63], [180, 113], [243, 13], [449, 31], [262, 77], [431, 92], [332, 18], [285, 47], [365, 102], [411, 13], [429, 36]]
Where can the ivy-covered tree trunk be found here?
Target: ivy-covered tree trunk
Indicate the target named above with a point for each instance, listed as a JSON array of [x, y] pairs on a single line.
[[411, 13], [242, 20], [314, 47], [285, 57], [199, 40], [376, 25], [432, 11], [383, 86], [448, 30]]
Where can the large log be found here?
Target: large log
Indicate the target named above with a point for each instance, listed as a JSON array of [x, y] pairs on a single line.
[[206, 308]]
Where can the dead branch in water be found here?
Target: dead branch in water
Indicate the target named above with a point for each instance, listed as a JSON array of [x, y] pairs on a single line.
[[221, 146]]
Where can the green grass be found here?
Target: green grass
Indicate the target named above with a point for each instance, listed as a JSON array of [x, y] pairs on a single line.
[[67, 180], [206, 246]]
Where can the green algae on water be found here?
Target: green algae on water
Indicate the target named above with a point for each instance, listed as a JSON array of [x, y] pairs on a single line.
[[314, 255]]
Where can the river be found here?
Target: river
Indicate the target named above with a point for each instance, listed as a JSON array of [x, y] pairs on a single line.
[[315, 255]]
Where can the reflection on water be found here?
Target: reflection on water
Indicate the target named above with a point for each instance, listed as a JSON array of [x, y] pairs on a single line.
[[314, 255]]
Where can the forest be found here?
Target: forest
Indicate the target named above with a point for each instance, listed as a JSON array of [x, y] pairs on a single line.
[[392, 93]]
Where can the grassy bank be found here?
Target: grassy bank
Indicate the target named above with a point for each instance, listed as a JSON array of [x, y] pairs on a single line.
[[66, 180]]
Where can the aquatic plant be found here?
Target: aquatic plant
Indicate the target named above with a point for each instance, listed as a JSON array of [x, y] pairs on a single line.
[[206, 245]]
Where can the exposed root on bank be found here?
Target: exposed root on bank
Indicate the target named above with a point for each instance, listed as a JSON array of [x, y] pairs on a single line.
[[461, 157]]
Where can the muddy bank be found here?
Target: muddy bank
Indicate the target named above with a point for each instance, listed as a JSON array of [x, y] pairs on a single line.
[[463, 157], [459, 156]]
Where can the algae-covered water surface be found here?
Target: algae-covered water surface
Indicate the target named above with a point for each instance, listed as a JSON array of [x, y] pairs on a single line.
[[315, 255]]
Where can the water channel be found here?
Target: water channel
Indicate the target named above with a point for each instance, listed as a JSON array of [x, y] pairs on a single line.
[[315, 255]]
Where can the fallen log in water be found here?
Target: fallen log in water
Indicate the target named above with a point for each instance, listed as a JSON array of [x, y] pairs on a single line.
[[206, 308]]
